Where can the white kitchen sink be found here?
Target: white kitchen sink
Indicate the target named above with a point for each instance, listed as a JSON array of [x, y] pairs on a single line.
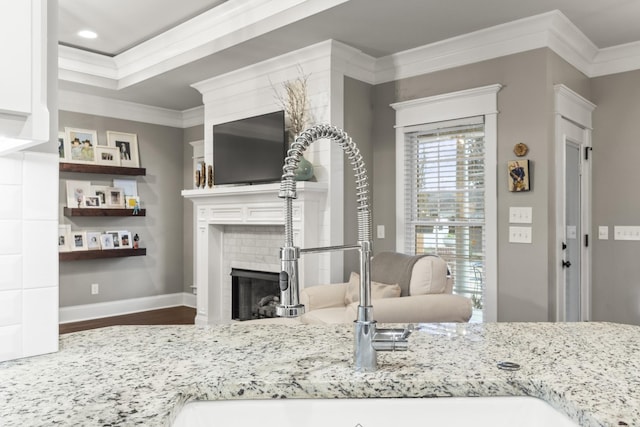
[[505, 411]]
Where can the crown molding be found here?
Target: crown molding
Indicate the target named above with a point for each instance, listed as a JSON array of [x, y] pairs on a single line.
[[311, 59], [193, 117], [189, 41], [617, 59], [117, 109], [227, 25], [565, 39], [552, 30]]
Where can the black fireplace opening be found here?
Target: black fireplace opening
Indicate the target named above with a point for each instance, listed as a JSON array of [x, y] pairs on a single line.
[[254, 294]]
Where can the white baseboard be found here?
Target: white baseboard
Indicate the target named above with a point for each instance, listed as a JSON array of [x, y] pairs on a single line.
[[77, 313]]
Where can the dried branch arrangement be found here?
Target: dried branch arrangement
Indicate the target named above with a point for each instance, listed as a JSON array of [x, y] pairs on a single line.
[[295, 103]]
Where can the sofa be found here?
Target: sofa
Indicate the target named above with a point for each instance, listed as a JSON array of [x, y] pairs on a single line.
[[405, 289]]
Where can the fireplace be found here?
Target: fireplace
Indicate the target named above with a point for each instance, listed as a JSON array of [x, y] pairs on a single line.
[[242, 227], [254, 294]]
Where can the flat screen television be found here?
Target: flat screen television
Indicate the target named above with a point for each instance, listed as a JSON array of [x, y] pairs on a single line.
[[250, 150]]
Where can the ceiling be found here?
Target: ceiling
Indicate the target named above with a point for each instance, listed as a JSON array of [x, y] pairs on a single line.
[[376, 27]]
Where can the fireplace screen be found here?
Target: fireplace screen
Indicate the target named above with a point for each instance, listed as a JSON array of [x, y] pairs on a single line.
[[254, 294]]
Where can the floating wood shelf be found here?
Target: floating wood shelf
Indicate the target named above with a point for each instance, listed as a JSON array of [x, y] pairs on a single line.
[[113, 170], [97, 254], [102, 212]]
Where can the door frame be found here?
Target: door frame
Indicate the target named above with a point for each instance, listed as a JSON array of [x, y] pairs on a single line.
[[573, 113]]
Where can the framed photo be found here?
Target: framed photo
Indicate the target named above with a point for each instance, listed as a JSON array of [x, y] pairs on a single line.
[[93, 240], [127, 144], [129, 186], [76, 190], [100, 191], [61, 148], [109, 156], [131, 202], [115, 239], [90, 202], [79, 241], [79, 145], [106, 241], [125, 239], [115, 198], [518, 175], [64, 234]]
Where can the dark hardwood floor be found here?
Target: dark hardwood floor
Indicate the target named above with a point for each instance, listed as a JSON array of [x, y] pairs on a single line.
[[181, 315]]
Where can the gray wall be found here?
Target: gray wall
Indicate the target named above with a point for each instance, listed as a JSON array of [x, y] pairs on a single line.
[[616, 270], [161, 231], [195, 133], [358, 116], [525, 106]]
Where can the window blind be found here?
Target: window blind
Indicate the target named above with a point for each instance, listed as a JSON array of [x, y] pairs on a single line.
[[444, 196]]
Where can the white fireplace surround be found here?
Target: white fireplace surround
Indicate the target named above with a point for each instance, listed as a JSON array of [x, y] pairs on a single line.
[[249, 205]]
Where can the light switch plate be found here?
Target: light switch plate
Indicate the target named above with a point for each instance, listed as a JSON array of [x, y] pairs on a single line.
[[626, 232], [380, 232], [519, 234], [520, 215], [603, 232]]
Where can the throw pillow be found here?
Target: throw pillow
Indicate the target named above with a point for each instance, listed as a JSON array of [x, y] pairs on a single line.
[[429, 276], [378, 290]]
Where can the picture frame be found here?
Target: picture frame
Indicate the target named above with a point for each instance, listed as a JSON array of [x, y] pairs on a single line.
[[115, 238], [115, 198], [129, 186], [126, 241], [76, 190], [131, 202], [79, 145], [108, 156], [78, 241], [93, 240], [518, 175], [100, 191], [61, 148], [127, 144], [64, 234], [91, 202], [106, 241]]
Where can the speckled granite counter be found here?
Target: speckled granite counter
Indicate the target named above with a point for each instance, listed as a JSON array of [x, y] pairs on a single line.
[[142, 375]]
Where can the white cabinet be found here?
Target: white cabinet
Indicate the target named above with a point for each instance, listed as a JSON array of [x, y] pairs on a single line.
[[24, 117]]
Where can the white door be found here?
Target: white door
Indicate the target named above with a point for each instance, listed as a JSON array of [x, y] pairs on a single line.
[[574, 287]]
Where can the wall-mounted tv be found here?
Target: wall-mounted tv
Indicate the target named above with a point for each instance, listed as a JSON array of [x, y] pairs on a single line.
[[250, 150]]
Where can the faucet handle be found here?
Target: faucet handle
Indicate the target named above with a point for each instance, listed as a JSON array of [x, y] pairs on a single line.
[[407, 331]]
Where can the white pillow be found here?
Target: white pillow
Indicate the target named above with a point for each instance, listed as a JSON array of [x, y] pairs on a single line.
[[378, 290], [429, 276]]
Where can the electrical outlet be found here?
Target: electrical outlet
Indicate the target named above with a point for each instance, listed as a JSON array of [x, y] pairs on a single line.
[[380, 232], [95, 289]]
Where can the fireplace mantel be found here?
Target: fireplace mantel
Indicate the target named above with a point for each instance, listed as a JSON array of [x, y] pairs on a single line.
[[248, 204], [251, 205]]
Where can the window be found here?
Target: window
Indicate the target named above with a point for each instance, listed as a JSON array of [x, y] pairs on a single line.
[[457, 208], [444, 199]]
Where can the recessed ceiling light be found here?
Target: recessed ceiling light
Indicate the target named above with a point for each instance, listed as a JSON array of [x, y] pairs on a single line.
[[87, 34]]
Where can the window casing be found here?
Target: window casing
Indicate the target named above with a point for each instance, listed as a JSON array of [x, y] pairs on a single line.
[[480, 101]]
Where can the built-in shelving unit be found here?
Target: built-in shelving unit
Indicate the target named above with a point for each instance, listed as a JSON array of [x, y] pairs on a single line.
[[98, 254], [102, 212], [112, 170]]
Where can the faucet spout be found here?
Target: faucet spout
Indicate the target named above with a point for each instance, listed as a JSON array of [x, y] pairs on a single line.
[[368, 339]]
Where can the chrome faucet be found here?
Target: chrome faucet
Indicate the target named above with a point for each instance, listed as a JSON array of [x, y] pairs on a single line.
[[368, 338]]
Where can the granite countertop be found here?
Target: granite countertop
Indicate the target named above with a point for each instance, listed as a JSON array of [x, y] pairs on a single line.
[[143, 375]]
